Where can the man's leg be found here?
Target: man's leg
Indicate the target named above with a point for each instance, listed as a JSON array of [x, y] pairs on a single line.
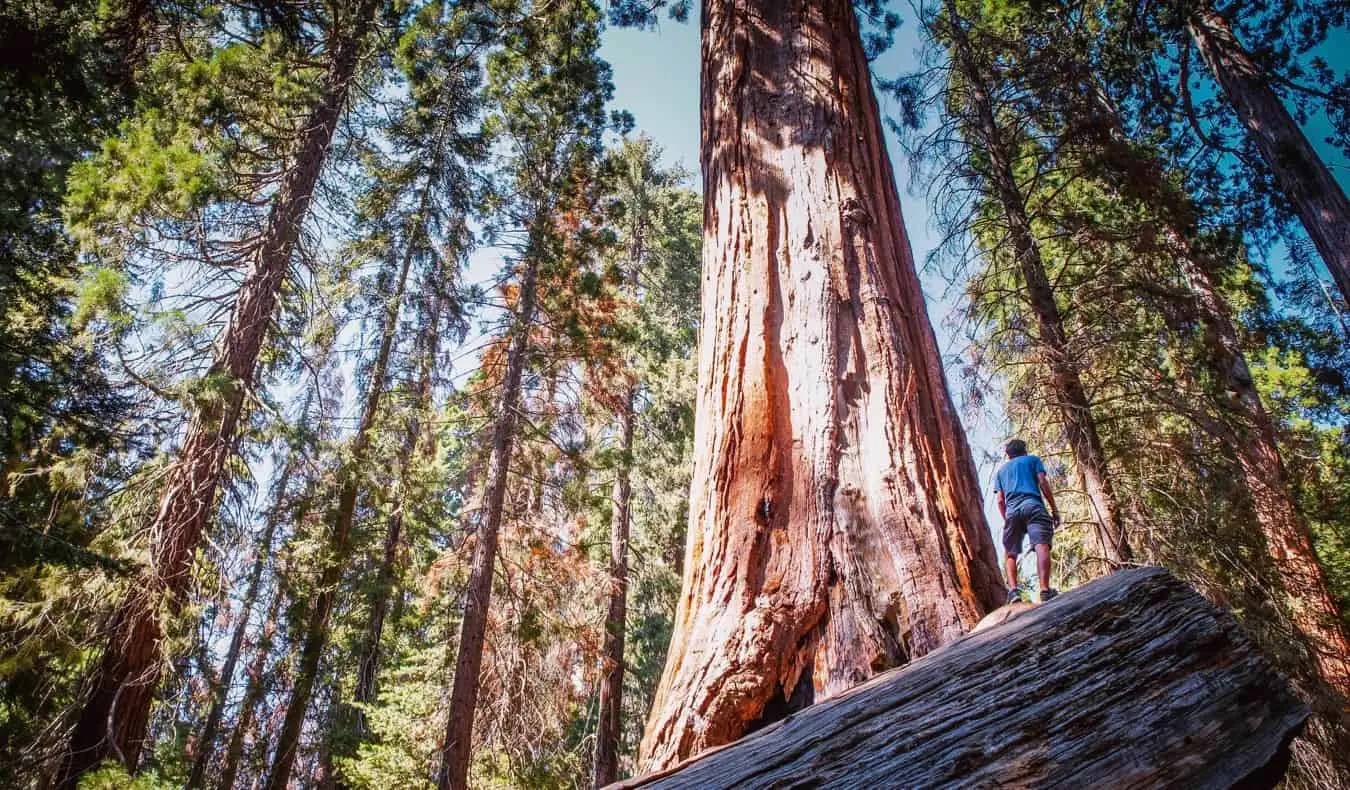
[[1010, 567], [1043, 565]]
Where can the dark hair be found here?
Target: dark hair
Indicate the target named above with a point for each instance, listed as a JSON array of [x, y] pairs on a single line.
[[1015, 448]]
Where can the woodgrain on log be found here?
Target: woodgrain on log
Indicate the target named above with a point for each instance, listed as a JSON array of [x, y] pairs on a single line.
[[1133, 680]]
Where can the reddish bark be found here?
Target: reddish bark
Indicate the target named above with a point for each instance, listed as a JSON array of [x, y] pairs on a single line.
[[454, 770], [836, 525], [113, 721], [253, 695], [1302, 175]]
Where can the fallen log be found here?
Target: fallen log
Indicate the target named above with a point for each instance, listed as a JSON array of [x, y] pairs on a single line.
[[1133, 680]]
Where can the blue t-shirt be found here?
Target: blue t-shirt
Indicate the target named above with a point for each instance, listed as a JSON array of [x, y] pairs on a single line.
[[1019, 481]]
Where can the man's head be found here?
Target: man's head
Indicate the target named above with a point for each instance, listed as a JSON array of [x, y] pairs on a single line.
[[1015, 448]]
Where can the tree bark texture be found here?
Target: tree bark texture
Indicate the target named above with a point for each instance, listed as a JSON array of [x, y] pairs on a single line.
[[116, 714], [609, 725], [1071, 399], [1132, 680], [254, 692], [454, 769], [339, 540], [1304, 178], [836, 526], [207, 742]]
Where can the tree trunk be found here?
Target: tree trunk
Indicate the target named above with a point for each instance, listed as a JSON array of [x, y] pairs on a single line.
[[113, 721], [253, 696], [368, 665], [207, 742], [1137, 682], [1302, 175], [1080, 427], [454, 768], [339, 541], [836, 526], [616, 619]]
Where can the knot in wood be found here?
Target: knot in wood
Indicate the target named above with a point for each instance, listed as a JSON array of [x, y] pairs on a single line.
[[855, 214]]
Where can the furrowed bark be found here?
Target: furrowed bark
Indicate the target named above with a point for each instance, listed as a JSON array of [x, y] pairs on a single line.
[[1304, 178], [454, 769], [339, 541], [253, 695], [836, 526], [1080, 427], [115, 716], [207, 741], [1133, 680]]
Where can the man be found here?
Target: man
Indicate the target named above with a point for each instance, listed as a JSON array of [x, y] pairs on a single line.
[[1023, 491]]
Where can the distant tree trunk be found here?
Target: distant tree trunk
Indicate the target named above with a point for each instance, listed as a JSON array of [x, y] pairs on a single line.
[[253, 696], [454, 768], [611, 687], [207, 742], [369, 662], [339, 542], [836, 525], [1080, 427], [1302, 175], [113, 721]]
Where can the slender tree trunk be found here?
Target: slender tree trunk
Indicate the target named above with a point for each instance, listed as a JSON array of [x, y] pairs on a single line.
[[207, 743], [836, 525], [369, 662], [253, 696], [1080, 427], [339, 542], [454, 769], [616, 619], [1302, 175], [115, 716]]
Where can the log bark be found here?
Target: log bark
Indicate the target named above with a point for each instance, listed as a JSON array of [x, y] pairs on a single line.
[[454, 769], [1132, 680], [339, 540], [836, 526], [1304, 178], [116, 715], [1071, 399]]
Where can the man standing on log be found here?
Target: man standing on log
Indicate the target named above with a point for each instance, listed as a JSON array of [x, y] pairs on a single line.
[[1023, 490]]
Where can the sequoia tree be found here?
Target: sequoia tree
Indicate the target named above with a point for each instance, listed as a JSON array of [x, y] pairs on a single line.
[[115, 716], [835, 524]]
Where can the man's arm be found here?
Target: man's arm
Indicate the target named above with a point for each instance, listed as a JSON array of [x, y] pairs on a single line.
[[1049, 495], [1002, 505]]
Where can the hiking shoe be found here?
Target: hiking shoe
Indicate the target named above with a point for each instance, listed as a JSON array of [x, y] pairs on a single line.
[[1015, 595], [1046, 595]]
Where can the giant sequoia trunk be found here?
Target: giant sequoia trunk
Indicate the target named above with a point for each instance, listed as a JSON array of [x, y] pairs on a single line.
[[206, 747], [113, 721], [339, 540], [1079, 425], [1302, 175], [1130, 681], [836, 526], [454, 768]]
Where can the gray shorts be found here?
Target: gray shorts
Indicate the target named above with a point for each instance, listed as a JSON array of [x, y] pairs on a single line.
[[1029, 519]]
